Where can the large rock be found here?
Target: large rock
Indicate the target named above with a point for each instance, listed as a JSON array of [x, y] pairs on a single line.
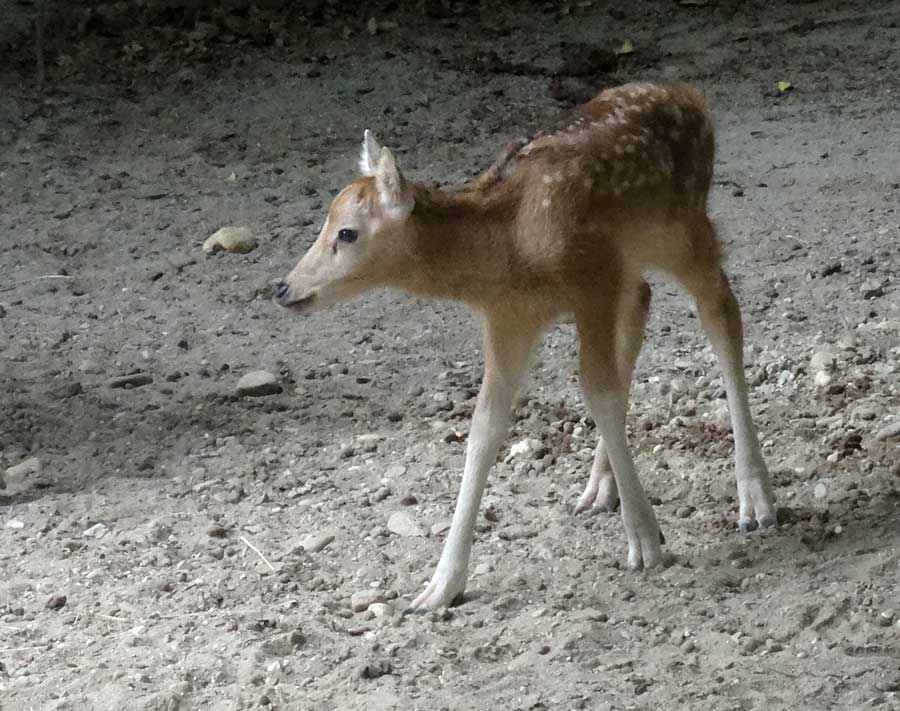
[[258, 383]]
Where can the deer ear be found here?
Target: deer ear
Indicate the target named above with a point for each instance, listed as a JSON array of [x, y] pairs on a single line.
[[369, 155], [394, 192]]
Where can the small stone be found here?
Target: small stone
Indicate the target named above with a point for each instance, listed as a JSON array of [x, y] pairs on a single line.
[[820, 491], [134, 380], [822, 360], [369, 442], [409, 500], [394, 472], [98, 530], [216, 531], [887, 432], [822, 379], [872, 289], [381, 610], [684, 511], [90, 366], [373, 670], [404, 525], [364, 599], [55, 602], [239, 240], [258, 383], [526, 446], [441, 526], [316, 542], [28, 467]]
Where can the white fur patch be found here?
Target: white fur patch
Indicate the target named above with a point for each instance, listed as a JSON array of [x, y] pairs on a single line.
[[369, 154]]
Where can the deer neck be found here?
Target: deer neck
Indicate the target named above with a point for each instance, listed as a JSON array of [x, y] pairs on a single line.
[[459, 246]]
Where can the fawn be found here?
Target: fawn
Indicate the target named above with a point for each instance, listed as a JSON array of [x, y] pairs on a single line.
[[564, 226]]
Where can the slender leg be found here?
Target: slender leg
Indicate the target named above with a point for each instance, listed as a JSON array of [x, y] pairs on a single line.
[[508, 345], [721, 318], [607, 397], [600, 492]]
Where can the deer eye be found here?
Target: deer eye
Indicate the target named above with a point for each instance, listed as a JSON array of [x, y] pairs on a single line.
[[347, 235]]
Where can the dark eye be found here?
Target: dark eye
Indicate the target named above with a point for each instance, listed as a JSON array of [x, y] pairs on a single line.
[[347, 235]]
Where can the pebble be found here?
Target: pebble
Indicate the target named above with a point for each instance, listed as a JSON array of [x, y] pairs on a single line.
[[822, 360], [405, 525], [98, 530], [369, 442], [394, 472], [381, 610], [239, 240], [258, 383], [364, 599], [822, 379], [441, 526], [30, 466], [887, 432], [90, 366], [820, 491], [316, 542], [872, 289], [134, 380], [524, 447], [216, 531], [55, 602], [373, 670], [684, 511]]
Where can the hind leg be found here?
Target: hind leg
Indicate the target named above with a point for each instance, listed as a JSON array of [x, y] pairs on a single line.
[[601, 493], [607, 397], [721, 318]]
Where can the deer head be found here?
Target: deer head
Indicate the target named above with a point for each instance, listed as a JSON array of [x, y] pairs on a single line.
[[361, 242]]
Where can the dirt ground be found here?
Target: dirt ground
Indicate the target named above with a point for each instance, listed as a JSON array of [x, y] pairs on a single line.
[[180, 546]]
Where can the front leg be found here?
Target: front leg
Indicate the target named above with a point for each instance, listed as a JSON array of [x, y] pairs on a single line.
[[507, 346]]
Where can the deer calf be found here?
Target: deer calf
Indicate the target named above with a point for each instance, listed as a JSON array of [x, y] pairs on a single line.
[[564, 226]]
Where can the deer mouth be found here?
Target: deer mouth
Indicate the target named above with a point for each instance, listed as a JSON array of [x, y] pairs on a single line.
[[300, 305]]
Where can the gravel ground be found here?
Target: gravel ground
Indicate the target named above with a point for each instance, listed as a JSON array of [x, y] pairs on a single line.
[[168, 542]]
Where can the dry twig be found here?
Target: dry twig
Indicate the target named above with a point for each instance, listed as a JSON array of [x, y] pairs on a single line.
[[258, 552]]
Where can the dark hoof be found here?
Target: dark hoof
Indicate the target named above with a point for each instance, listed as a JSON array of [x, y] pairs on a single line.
[[768, 521], [747, 526]]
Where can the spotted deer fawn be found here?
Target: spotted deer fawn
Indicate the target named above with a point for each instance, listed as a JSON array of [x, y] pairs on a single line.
[[563, 227]]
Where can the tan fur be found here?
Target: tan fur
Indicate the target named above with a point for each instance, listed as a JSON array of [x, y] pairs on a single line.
[[565, 225]]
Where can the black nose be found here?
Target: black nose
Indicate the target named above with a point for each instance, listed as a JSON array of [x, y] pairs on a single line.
[[279, 288]]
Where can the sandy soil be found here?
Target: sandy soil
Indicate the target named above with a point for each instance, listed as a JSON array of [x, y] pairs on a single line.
[[129, 575]]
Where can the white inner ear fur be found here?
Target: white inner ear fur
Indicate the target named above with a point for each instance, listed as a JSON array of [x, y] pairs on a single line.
[[394, 194], [369, 155]]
